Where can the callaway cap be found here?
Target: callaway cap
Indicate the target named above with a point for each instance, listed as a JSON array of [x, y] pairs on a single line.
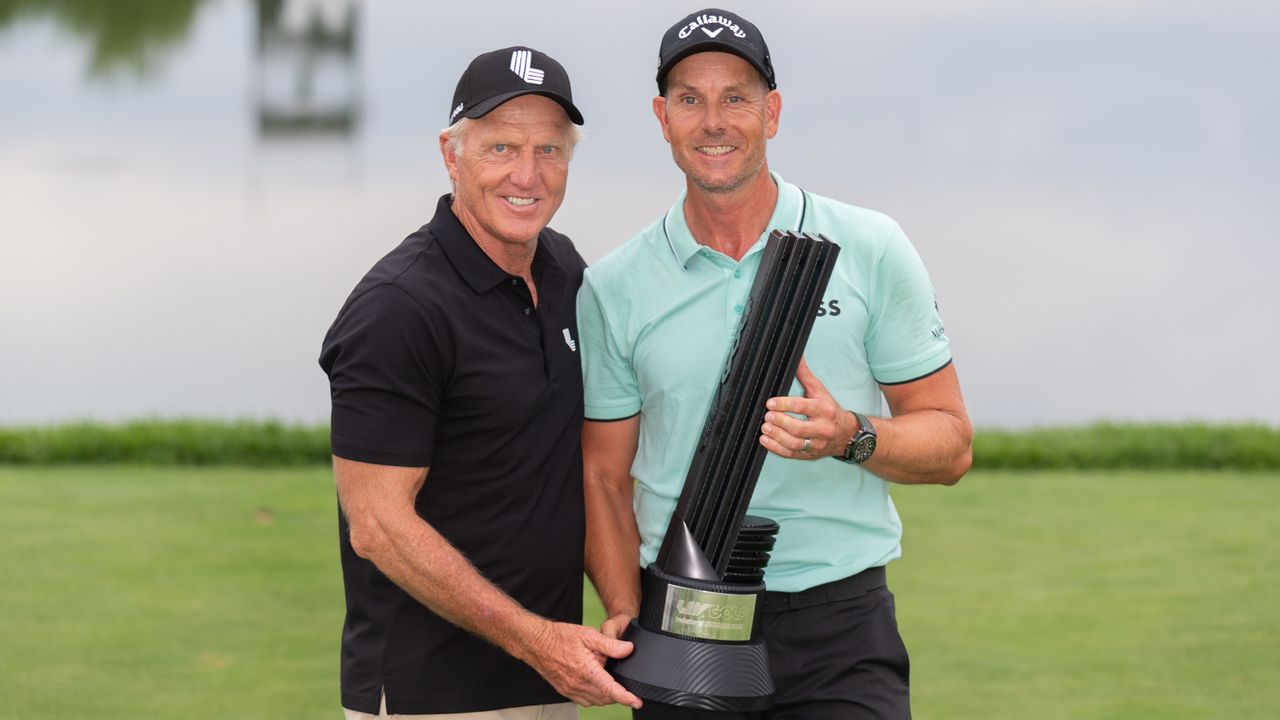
[[714, 30], [496, 77]]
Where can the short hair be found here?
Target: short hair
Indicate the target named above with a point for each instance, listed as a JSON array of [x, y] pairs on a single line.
[[455, 132]]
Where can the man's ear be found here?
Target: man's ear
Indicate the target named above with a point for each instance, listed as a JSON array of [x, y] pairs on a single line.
[[450, 159], [773, 111], [660, 112]]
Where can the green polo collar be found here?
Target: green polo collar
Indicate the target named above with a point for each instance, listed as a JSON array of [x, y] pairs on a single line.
[[788, 214]]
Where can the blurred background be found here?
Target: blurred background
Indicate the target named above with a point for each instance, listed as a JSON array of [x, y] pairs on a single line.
[[189, 189]]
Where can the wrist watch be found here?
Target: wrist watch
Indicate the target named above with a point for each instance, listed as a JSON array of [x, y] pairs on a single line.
[[863, 442]]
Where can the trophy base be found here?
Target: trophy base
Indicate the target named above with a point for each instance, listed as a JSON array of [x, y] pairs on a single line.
[[695, 674]]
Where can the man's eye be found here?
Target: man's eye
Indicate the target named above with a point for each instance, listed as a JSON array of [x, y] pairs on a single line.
[[499, 148], [688, 100], [548, 149], [735, 98]]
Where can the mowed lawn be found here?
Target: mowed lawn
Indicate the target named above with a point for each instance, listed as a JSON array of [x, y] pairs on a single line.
[[131, 592]]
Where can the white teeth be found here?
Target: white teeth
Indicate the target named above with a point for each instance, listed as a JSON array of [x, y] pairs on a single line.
[[520, 201], [715, 149]]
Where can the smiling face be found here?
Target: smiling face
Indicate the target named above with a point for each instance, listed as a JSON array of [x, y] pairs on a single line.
[[717, 114], [510, 172]]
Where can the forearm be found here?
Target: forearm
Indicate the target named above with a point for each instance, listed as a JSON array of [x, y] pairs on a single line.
[[922, 447], [424, 564], [612, 555], [385, 529]]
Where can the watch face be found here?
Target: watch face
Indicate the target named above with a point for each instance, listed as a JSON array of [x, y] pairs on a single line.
[[863, 448]]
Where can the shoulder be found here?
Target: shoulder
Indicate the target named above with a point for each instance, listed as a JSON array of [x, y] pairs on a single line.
[[563, 250], [407, 280], [851, 226], [632, 261]]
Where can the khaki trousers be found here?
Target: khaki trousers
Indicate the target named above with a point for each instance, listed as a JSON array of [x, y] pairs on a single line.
[[558, 711]]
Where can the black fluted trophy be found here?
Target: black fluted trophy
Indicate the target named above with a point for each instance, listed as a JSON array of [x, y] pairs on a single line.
[[697, 639]]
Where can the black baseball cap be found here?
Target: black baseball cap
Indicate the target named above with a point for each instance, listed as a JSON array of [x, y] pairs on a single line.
[[714, 30], [496, 77]]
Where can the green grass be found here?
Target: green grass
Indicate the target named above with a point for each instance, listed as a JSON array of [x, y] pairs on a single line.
[[1093, 595], [215, 592], [169, 593]]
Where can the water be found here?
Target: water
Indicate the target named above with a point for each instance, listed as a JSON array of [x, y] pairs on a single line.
[[183, 206]]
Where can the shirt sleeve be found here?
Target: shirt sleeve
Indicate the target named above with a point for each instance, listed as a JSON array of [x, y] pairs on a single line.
[[905, 339], [387, 371], [609, 385]]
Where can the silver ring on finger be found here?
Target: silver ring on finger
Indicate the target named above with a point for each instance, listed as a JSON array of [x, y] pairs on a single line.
[[806, 447]]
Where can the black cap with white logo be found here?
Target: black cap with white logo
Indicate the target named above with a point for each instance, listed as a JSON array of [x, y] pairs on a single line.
[[496, 77], [713, 30]]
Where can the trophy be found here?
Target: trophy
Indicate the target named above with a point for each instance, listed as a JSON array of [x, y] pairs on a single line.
[[697, 638]]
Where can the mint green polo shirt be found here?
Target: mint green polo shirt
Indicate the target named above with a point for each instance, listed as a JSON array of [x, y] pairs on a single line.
[[656, 318]]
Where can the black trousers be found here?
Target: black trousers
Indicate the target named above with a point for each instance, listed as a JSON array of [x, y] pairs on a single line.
[[835, 654]]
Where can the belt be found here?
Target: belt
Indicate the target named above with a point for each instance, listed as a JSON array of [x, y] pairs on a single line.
[[835, 591]]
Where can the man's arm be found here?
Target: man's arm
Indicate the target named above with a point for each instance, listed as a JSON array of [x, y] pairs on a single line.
[[378, 501], [613, 539], [927, 439]]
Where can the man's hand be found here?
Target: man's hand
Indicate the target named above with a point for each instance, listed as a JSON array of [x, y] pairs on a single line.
[[616, 625], [571, 658], [927, 439], [825, 431]]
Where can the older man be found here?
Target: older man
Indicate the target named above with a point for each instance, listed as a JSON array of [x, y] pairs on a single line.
[[657, 317], [456, 390]]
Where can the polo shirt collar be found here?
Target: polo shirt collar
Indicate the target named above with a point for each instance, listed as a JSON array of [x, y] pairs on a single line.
[[476, 268], [786, 216]]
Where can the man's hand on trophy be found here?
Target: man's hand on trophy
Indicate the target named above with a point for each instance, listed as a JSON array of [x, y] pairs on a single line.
[[823, 431], [613, 628], [571, 658], [616, 625]]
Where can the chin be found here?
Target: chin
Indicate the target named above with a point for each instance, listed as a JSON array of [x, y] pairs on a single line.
[[523, 233]]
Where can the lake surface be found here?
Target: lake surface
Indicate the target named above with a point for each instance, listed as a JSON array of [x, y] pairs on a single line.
[[189, 192]]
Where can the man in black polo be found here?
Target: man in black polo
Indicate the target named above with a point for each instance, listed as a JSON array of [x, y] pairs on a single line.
[[457, 408]]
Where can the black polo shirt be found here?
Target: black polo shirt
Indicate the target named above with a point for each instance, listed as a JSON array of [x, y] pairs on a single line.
[[439, 359]]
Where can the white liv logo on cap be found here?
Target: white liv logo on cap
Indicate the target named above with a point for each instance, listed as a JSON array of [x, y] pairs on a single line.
[[522, 65]]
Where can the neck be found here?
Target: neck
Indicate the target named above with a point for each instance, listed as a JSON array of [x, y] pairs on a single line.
[[731, 222]]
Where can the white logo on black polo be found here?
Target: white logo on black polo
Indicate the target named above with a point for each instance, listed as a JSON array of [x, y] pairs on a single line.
[[522, 65], [568, 340]]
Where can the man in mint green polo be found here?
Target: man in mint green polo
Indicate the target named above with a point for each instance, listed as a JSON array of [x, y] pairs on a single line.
[[656, 318]]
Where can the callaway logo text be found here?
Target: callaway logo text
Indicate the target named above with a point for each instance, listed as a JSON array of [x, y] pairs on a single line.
[[701, 20]]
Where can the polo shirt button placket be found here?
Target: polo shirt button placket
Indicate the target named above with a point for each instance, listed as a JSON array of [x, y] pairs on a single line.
[[735, 282]]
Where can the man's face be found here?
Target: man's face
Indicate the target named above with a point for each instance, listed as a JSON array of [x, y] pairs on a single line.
[[717, 115], [510, 174]]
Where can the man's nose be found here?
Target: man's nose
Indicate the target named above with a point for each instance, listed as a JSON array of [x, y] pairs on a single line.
[[713, 118], [525, 171]]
